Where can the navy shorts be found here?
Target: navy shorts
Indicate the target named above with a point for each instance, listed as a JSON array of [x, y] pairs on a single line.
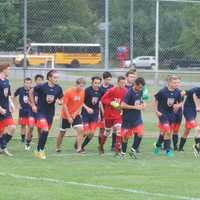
[[64, 124]]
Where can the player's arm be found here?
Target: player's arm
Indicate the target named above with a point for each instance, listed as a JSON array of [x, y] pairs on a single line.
[[132, 107], [12, 105], [155, 107], [32, 99], [88, 109], [107, 98], [196, 102]]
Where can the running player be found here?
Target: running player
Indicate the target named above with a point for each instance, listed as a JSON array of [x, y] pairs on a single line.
[[106, 85], [26, 116], [91, 109], [70, 113], [7, 125], [166, 103], [48, 93], [112, 113], [132, 123], [190, 108]]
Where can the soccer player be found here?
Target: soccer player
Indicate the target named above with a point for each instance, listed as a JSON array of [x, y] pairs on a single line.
[[7, 125], [132, 123], [26, 116], [48, 93], [39, 79], [131, 76], [190, 108], [91, 109], [112, 113], [70, 114], [106, 85], [166, 103]]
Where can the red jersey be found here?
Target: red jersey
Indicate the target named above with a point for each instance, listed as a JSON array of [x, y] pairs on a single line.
[[112, 94]]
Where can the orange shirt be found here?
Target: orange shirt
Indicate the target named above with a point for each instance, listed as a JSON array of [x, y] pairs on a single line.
[[74, 100]]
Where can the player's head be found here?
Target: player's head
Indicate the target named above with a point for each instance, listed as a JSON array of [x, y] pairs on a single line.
[[131, 75], [139, 84], [96, 81], [52, 76], [172, 82], [80, 83], [107, 78], [27, 83], [4, 69], [121, 81], [39, 78]]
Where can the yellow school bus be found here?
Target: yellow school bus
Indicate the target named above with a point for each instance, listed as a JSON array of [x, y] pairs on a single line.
[[69, 54]]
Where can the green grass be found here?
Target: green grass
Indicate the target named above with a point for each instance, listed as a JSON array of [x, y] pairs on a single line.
[[152, 174]]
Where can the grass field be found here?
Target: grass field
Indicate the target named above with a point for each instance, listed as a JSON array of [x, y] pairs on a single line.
[[68, 176], [71, 176]]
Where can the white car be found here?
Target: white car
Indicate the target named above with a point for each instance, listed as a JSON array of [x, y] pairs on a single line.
[[147, 62]]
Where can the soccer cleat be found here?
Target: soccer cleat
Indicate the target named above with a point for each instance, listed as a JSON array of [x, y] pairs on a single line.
[[169, 154], [196, 151], [58, 150], [36, 153], [100, 149], [42, 155], [82, 151], [27, 147], [122, 156], [157, 150], [132, 153], [6, 152], [175, 148], [181, 150]]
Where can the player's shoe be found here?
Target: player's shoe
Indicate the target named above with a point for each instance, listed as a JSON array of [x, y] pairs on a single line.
[[58, 150], [175, 148], [42, 155], [132, 153], [82, 151], [169, 154], [101, 149], [122, 156], [27, 147], [157, 150], [6, 152], [196, 151], [180, 150]]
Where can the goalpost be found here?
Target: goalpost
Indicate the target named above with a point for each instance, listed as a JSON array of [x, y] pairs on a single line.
[[47, 61]]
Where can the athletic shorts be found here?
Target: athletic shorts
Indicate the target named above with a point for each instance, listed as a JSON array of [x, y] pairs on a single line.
[[129, 132], [166, 123], [64, 125], [8, 121], [109, 123], [44, 121], [190, 118]]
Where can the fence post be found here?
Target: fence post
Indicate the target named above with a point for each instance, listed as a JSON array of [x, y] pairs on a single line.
[[106, 59], [156, 77], [25, 37]]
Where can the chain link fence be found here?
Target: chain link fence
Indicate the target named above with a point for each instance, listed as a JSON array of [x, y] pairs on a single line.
[[131, 32]]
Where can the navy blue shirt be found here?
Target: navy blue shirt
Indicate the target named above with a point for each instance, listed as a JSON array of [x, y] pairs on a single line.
[[189, 102], [4, 96], [132, 117], [23, 97], [166, 99], [103, 89], [92, 98], [47, 97]]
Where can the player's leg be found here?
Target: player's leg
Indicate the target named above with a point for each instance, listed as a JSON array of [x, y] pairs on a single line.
[[64, 124], [23, 133], [124, 147], [118, 140], [113, 140], [29, 136], [44, 123], [167, 144], [196, 146], [9, 130]]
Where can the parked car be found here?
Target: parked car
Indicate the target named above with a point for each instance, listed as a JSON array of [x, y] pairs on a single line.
[[146, 62], [183, 63]]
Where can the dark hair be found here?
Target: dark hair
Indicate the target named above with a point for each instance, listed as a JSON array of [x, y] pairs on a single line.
[[4, 66], [140, 81], [130, 71], [120, 78], [107, 75], [27, 79], [172, 77], [38, 76], [50, 73], [80, 80], [95, 78]]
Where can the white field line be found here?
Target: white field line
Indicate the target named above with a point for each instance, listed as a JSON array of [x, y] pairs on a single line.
[[101, 187]]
